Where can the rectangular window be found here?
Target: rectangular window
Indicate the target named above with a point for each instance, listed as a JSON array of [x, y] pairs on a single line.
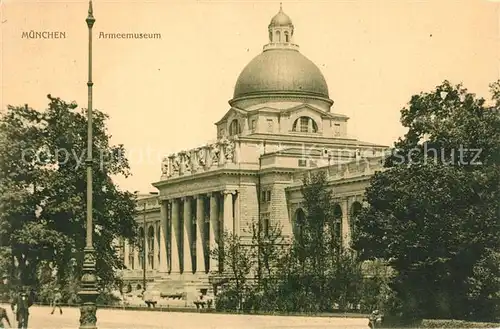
[[302, 163], [304, 124], [254, 125], [268, 198], [265, 220], [263, 196], [336, 130], [270, 125]]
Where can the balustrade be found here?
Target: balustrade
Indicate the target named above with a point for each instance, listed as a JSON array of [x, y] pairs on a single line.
[[200, 159]]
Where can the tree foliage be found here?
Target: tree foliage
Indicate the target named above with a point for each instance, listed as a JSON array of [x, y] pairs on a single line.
[[310, 272], [434, 213], [43, 191]]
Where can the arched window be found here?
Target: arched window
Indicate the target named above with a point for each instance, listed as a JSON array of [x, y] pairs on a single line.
[[158, 238], [131, 257], [300, 220], [287, 38], [337, 225], [141, 248], [278, 36], [234, 128], [305, 125], [151, 243], [355, 210]]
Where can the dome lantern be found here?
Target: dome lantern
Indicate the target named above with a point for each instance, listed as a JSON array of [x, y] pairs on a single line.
[[280, 31]]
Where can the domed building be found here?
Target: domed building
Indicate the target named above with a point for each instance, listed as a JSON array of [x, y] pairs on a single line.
[[279, 127]]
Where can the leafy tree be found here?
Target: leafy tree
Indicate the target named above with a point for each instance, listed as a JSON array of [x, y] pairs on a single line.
[[318, 273], [237, 262], [43, 190], [270, 247], [434, 213]]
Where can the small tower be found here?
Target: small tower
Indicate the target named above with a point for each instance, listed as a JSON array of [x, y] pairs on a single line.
[[280, 31]]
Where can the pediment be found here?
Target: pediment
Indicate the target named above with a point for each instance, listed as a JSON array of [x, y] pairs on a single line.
[[265, 109], [231, 111], [309, 107]]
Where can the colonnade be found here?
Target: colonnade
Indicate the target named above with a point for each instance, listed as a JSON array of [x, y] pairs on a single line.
[[188, 229]]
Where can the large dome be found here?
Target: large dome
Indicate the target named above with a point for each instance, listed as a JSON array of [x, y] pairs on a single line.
[[281, 71]]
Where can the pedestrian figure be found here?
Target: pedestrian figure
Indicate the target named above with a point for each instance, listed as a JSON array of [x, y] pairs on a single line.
[[375, 319], [3, 315], [22, 302], [56, 301]]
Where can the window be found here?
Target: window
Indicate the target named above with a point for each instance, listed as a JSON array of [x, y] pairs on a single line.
[[305, 125], [263, 196], [302, 163], [278, 36], [300, 220], [254, 125], [265, 220], [131, 257], [151, 243], [336, 129], [141, 248], [270, 125], [268, 198], [158, 238], [286, 37], [234, 128]]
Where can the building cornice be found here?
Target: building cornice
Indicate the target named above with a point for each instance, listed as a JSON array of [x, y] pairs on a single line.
[[280, 95], [290, 139], [215, 173]]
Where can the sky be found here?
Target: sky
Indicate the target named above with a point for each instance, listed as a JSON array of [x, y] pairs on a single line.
[[164, 95]]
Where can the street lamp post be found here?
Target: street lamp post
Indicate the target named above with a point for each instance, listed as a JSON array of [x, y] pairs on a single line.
[[88, 291], [144, 252]]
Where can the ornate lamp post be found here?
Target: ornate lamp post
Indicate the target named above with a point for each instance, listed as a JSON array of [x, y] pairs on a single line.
[[88, 293]]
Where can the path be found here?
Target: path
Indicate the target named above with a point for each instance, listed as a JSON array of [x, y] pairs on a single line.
[[40, 318]]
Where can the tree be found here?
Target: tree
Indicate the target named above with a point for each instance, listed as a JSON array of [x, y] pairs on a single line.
[[318, 273], [237, 262], [269, 247], [43, 190], [433, 214]]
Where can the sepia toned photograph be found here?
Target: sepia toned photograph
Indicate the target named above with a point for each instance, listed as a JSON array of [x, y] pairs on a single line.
[[249, 164]]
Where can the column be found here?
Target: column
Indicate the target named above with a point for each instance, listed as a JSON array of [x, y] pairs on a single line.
[[146, 247], [236, 213], [163, 236], [137, 264], [156, 248], [214, 229], [186, 243], [228, 212], [200, 223], [175, 237], [346, 230], [126, 263]]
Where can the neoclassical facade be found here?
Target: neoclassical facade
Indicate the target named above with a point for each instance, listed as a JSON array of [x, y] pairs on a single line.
[[279, 127]]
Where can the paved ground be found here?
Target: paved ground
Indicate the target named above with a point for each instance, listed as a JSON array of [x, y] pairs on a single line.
[[40, 318]]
